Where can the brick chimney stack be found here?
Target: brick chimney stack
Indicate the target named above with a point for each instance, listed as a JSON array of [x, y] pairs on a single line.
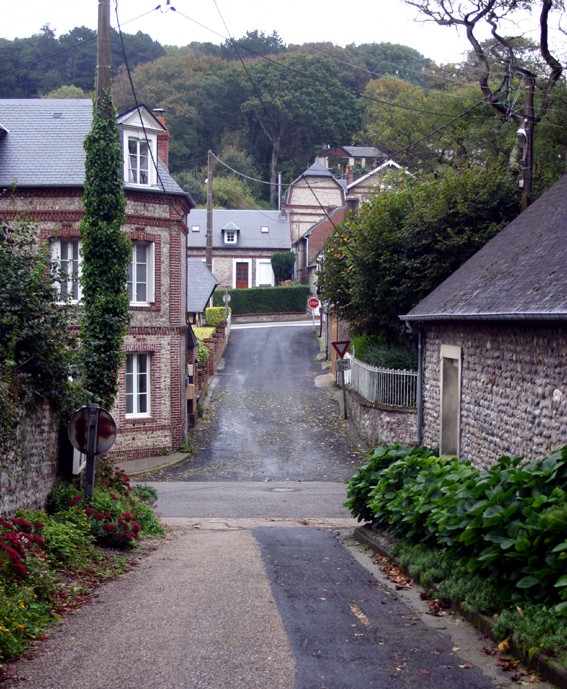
[[163, 139]]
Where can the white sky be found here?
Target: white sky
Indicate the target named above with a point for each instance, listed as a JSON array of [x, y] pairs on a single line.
[[296, 21]]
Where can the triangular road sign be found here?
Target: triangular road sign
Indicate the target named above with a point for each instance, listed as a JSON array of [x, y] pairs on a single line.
[[341, 347]]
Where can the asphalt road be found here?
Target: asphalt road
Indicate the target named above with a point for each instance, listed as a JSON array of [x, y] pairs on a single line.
[[260, 582], [267, 418]]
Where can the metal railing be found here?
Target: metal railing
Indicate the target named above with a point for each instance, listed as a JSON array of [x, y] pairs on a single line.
[[384, 385]]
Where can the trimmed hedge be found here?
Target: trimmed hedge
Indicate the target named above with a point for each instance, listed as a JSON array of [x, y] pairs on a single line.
[[266, 299], [215, 315]]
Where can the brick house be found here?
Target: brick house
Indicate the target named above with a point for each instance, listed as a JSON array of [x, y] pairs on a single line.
[[41, 176], [310, 197], [308, 247], [243, 244], [494, 338], [367, 185]]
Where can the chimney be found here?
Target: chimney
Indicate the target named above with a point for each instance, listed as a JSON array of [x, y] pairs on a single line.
[[163, 139], [349, 175], [352, 203]]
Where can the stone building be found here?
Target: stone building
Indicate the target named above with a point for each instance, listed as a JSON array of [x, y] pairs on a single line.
[[243, 244], [494, 338], [41, 177]]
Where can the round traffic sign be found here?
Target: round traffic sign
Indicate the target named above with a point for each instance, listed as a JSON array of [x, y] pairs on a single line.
[[78, 431], [313, 303]]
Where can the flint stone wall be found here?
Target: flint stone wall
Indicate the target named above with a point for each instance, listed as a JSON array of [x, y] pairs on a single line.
[[513, 393], [28, 473]]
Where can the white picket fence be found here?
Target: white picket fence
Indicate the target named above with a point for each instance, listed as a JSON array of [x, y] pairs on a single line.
[[383, 385]]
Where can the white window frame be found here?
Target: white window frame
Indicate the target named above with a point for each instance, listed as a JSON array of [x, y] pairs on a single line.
[[134, 277], [264, 261], [137, 386], [195, 228], [264, 228], [140, 141], [230, 236], [60, 256]]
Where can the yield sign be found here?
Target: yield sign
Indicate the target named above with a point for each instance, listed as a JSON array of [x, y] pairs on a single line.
[[341, 347]]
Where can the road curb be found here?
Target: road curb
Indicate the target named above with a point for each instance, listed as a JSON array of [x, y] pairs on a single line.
[[381, 543]]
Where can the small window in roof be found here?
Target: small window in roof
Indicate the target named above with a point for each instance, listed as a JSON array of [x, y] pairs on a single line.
[[265, 228], [196, 228]]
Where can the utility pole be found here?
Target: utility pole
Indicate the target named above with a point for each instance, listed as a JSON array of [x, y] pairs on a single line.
[[103, 56], [209, 252]]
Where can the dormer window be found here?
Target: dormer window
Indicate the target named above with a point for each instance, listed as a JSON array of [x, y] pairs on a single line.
[[139, 133], [138, 161], [230, 236]]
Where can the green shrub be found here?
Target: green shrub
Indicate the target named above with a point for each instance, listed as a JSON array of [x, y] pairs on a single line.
[[507, 525], [267, 299], [215, 315], [374, 352], [204, 352], [145, 493]]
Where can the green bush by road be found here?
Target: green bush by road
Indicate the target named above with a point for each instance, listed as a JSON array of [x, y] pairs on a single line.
[[495, 539]]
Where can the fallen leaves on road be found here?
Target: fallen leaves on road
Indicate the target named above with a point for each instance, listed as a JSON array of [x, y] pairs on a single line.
[[393, 573]]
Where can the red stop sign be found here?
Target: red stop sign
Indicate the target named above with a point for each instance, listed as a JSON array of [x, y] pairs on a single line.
[[313, 303]]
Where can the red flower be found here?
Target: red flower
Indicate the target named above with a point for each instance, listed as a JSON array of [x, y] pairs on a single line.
[[135, 527], [114, 497], [127, 516], [89, 511], [108, 528], [99, 517]]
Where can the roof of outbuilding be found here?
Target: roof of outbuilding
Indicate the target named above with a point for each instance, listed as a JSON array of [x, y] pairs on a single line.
[[249, 224], [43, 144], [520, 274], [364, 152], [201, 284]]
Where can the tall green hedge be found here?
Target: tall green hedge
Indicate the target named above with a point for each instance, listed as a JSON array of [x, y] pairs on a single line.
[[266, 299]]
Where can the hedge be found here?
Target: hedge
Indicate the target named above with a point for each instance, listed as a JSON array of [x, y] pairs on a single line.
[[266, 299]]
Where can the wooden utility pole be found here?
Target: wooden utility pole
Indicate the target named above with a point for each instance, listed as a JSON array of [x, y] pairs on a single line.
[[103, 55], [209, 251]]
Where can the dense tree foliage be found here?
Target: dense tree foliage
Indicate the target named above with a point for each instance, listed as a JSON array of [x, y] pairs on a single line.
[[384, 259], [34, 66]]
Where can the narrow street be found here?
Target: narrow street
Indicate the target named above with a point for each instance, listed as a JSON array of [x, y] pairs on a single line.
[[260, 583]]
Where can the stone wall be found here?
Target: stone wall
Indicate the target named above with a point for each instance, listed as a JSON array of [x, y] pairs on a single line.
[[381, 424], [28, 473], [513, 392]]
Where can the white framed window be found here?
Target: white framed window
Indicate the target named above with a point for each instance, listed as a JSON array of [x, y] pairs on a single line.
[[264, 273], [230, 236], [265, 228], [195, 228], [140, 160], [137, 384], [141, 273], [66, 253]]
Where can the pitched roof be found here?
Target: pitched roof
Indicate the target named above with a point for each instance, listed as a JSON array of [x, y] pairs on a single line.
[[376, 170], [249, 224], [520, 274], [43, 144], [201, 284], [364, 152]]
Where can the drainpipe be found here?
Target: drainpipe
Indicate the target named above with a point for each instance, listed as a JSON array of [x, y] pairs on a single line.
[[419, 393], [419, 386]]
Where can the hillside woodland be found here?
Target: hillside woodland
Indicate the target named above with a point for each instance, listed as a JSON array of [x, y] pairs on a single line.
[[265, 107]]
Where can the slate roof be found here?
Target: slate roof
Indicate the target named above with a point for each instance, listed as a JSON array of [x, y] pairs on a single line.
[[364, 152], [248, 222], [201, 284], [43, 144], [521, 274]]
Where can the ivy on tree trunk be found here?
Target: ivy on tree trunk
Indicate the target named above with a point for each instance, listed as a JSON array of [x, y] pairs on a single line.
[[106, 256]]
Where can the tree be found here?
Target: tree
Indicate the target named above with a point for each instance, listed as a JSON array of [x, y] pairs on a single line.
[[37, 347], [542, 77], [282, 265], [296, 102], [106, 256], [383, 260], [253, 44]]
